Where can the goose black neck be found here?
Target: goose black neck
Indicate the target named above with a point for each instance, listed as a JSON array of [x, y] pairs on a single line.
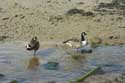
[[82, 37]]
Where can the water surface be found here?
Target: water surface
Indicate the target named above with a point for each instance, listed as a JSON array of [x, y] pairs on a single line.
[[14, 58]]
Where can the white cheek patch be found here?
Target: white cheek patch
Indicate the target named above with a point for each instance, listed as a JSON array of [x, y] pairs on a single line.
[[27, 46]]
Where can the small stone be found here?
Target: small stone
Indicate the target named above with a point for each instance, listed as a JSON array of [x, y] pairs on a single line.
[[3, 37], [13, 81], [51, 65], [121, 26], [51, 82], [2, 75], [116, 79], [48, 1], [108, 81], [110, 37], [81, 3], [5, 18], [114, 37], [16, 15], [100, 71]]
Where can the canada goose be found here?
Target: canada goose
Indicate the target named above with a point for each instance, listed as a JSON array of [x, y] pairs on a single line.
[[76, 42], [33, 45], [81, 45], [84, 42]]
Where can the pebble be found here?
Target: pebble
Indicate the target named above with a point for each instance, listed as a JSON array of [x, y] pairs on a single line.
[[2, 75], [13, 81]]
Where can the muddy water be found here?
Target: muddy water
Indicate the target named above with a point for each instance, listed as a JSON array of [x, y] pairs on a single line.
[[111, 58], [14, 58]]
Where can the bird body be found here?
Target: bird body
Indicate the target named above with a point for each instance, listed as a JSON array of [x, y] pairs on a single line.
[[76, 42], [73, 42], [84, 43], [33, 45], [81, 46]]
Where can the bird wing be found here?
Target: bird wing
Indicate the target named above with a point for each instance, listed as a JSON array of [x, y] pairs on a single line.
[[72, 39]]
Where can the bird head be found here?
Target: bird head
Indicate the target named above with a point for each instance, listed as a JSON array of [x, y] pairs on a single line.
[[83, 33], [34, 38]]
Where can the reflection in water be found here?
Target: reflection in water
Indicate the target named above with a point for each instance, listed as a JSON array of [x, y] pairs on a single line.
[[14, 59]]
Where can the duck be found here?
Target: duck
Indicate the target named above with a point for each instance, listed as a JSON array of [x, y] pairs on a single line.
[[73, 42], [80, 45], [84, 42], [33, 45]]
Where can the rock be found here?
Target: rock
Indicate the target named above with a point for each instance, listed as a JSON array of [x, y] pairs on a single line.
[[55, 18], [5, 18], [80, 3], [1, 10], [48, 1], [17, 80], [75, 11], [100, 71], [119, 18], [110, 37], [114, 4], [89, 13], [108, 81], [122, 27], [116, 79], [106, 5], [2, 75], [13, 81], [19, 15], [51, 65], [79, 11], [113, 37], [3, 37]]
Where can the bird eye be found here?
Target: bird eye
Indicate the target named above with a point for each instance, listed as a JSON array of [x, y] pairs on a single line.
[[29, 45], [35, 38]]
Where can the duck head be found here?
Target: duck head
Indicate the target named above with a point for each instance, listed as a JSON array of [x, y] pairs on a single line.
[[83, 33], [82, 36], [31, 43], [34, 38]]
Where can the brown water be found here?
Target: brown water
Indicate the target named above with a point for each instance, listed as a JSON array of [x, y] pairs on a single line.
[[14, 57]]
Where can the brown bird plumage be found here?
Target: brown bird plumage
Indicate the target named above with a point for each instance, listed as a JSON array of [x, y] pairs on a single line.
[[33, 45]]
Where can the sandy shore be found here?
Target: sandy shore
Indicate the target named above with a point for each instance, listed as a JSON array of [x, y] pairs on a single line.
[[47, 19]]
